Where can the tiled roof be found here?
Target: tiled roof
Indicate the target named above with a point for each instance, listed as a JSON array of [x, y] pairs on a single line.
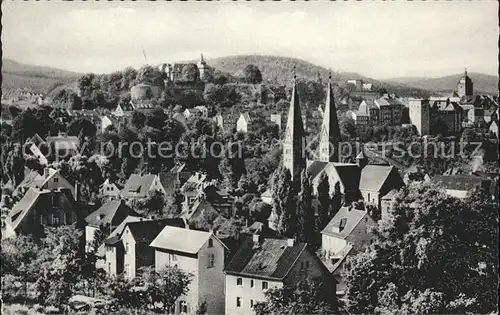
[[390, 194], [272, 259], [105, 214], [315, 168], [116, 233], [181, 240], [374, 176], [346, 218], [349, 175], [332, 267], [138, 185], [31, 199], [461, 182], [147, 231], [35, 180]]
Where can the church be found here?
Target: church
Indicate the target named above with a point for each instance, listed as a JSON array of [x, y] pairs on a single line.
[[357, 181]]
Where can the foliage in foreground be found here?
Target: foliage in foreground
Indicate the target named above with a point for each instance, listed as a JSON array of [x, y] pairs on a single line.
[[435, 254]]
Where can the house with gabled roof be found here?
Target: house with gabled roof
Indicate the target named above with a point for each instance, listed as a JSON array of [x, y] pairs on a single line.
[[349, 226], [201, 254], [43, 207], [50, 179], [109, 189], [136, 237], [244, 122], [109, 215], [263, 263], [123, 109], [460, 185], [141, 186]]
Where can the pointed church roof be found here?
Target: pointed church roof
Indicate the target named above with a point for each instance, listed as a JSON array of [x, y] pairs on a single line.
[[330, 131], [293, 157]]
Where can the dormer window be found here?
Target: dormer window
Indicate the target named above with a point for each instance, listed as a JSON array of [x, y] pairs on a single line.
[[342, 224]]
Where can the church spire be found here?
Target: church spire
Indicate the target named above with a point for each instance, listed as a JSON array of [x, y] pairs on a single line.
[[293, 154], [330, 131]]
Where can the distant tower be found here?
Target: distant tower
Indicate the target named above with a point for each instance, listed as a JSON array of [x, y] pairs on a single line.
[[419, 115], [464, 86], [330, 131], [204, 69], [293, 155]]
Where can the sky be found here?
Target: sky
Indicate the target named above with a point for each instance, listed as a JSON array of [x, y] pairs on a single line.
[[376, 39]]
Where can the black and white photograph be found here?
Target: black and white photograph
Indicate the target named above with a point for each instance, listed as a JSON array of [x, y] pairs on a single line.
[[249, 157]]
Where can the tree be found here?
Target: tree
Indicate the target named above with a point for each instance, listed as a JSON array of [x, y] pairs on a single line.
[[283, 201], [251, 74], [260, 211], [153, 205], [307, 297], [221, 95], [138, 119], [305, 232], [336, 200], [416, 263], [190, 74], [324, 201], [165, 285]]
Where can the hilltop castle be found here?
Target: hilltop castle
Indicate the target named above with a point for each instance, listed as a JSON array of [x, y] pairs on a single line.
[[174, 70]]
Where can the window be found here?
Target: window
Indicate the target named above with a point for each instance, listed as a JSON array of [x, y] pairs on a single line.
[[182, 307], [239, 282], [251, 283], [251, 303], [238, 302], [126, 248], [172, 257], [109, 267], [264, 285], [56, 180], [211, 260], [127, 270], [210, 242]]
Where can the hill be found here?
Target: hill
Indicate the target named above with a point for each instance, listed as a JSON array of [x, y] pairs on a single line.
[[483, 83], [281, 68], [16, 75]]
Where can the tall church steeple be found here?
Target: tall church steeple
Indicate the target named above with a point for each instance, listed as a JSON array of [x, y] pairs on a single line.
[[293, 155], [330, 131]]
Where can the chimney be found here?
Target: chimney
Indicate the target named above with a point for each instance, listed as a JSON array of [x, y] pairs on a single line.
[[290, 242]]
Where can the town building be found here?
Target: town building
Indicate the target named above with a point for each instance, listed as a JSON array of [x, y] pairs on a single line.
[[141, 186], [244, 122], [493, 128], [264, 263], [465, 86], [419, 112], [40, 208], [123, 109], [50, 179], [110, 253], [200, 253], [461, 185], [447, 115], [108, 216], [350, 225], [330, 132], [109, 189]]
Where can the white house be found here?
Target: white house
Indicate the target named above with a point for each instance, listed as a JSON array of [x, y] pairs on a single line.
[[261, 264], [201, 254], [109, 189], [349, 226], [141, 186], [243, 124]]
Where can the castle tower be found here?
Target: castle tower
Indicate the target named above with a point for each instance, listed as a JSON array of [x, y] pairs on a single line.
[[293, 155], [330, 131], [464, 87], [204, 69], [419, 115]]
